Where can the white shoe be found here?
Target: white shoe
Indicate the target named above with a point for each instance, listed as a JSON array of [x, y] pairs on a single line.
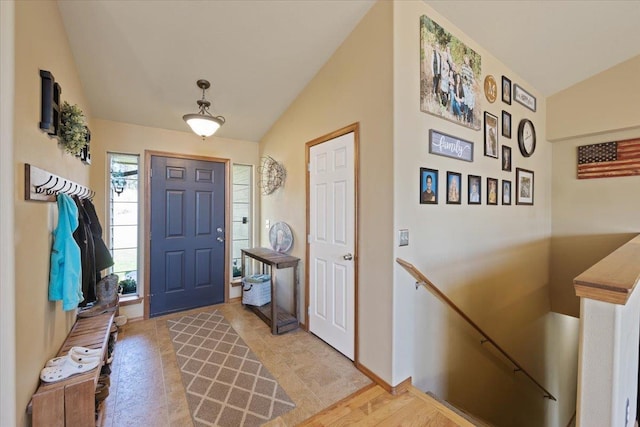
[[77, 354], [69, 367]]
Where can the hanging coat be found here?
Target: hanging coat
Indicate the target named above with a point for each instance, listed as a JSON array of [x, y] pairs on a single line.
[[64, 276], [103, 257], [84, 239]]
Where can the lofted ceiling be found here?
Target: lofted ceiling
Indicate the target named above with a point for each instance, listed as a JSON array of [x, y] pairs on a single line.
[[139, 60]]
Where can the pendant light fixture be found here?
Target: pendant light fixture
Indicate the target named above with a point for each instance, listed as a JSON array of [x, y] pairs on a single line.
[[203, 122]]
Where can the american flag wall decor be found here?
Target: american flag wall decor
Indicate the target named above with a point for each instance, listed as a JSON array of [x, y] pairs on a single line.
[[609, 159]]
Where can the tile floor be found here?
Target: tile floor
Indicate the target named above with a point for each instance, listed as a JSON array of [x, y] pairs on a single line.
[[146, 385]]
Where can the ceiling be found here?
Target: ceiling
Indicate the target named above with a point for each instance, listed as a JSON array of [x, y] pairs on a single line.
[[139, 60]]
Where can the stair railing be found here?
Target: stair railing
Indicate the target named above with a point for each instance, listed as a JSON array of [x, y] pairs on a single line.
[[421, 279]]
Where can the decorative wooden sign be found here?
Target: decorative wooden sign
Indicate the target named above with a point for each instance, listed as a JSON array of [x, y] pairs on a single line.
[[609, 159], [450, 146]]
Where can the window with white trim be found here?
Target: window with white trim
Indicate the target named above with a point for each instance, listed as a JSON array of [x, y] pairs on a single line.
[[123, 220], [242, 215]]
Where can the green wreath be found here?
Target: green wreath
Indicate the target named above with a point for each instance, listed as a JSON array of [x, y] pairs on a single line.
[[73, 130]]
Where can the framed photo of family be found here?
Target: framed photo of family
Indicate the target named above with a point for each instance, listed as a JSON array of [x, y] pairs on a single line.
[[428, 186], [474, 185], [490, 135], [450, 71], [454, 185], [524, 187]]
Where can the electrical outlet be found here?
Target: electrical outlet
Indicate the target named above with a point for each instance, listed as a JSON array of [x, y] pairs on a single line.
[[404, 237], [267, 224]]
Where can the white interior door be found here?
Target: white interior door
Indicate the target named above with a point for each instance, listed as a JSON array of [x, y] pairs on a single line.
[[332, 242]]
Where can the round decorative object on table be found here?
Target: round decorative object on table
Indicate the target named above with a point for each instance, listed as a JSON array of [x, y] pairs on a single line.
[[490, 88], [280, 237], [526, 137]]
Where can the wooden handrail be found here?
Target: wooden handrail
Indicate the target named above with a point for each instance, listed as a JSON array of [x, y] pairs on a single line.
[[422, 280]]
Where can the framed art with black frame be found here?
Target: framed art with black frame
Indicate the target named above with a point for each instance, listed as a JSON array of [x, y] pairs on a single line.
[[524, 187], [506, 158], [474, 185], [454, 185], [428, 186], [506, 124], [506, 192], [492, 191], [506, 90], [490, 135]]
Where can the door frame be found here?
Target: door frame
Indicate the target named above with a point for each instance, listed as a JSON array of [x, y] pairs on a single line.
[[147, 218], [355, 128]]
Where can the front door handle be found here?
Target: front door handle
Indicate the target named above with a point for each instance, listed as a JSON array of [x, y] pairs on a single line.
[[219, 239], [347, 257]]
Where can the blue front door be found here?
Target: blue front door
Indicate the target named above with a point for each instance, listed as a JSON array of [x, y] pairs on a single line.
[[187, 234]]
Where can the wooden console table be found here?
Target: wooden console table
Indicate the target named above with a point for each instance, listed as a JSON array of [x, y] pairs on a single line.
[[275, 260]]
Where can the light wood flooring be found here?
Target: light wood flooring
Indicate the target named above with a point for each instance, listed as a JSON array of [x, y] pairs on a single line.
[[147, 390], [373, 406]]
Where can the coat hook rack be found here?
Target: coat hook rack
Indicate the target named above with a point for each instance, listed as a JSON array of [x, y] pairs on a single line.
[[43, 185]]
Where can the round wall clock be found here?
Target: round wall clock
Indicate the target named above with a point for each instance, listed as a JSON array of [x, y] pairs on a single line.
[[490, 89], [526, 137], [280, 237]]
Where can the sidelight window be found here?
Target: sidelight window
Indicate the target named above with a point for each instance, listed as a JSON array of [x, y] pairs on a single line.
[[123, 219], [242, 236]]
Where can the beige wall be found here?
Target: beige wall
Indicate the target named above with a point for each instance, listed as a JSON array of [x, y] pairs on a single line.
[[490, 260], [355, 85], [41, 325], [591, 217], [115, 137], [7, 252], [598, 105]]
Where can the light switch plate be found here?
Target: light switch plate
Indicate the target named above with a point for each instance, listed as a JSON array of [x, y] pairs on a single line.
[[267, 224], [403, 237]]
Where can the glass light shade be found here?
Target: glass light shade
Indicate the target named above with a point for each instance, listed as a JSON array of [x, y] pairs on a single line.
[[202, 124]]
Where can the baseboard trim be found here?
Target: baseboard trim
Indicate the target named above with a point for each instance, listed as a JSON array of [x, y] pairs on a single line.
[[135, 319], [394, 390], [236, 299]]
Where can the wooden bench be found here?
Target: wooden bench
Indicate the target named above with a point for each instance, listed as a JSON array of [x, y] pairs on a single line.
[[71, 402]]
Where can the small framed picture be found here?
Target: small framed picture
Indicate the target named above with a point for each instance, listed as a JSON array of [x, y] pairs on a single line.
[[492, 191], [474, 185], [490, 135], [428, 186], [506, 192], [506, 158], [524, 187], [506, 90], [506, 124], [454, 185]]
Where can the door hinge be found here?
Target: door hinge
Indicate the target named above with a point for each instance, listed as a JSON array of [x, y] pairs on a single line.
[[309, 167], [309, 238]]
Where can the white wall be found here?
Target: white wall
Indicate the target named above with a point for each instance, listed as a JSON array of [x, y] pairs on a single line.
[[492, 261], [608, 377]]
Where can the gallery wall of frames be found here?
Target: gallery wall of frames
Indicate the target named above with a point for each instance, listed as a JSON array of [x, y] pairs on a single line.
[[453, 88]]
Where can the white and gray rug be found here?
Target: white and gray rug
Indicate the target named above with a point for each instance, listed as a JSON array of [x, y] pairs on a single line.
[[226, 384]]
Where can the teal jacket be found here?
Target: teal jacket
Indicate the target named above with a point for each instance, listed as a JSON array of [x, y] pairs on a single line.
[[64, 277]]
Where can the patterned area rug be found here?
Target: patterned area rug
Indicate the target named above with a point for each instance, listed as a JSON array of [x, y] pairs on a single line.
[[226, 383]]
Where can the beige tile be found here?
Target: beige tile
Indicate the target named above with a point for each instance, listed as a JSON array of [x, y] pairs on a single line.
[[147, 384]]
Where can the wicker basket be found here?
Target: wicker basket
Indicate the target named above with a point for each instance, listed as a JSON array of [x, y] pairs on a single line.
[[256, 289]]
